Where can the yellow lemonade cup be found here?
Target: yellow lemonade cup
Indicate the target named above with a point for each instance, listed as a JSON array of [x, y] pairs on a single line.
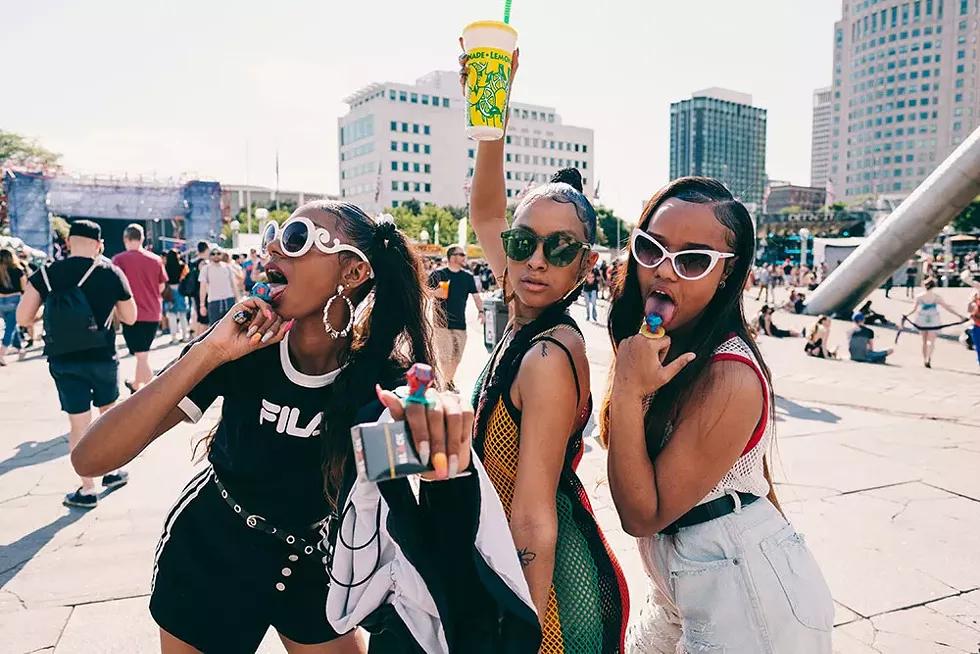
[[490, 45]]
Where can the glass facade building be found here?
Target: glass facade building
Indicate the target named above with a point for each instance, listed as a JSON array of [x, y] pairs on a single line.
[[904, 92], [719, 134]]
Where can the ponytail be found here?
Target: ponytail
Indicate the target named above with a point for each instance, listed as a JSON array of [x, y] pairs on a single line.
[[391, 333]]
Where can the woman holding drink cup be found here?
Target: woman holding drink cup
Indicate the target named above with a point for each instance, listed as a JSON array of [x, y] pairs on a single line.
[[246, 543], [534, 402]]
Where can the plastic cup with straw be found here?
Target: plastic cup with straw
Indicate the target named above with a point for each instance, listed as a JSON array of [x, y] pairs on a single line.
[[489, 46]]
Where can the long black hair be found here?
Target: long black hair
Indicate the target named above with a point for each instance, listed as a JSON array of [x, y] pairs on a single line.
[[385, 342], [724, 315], [565, 187]]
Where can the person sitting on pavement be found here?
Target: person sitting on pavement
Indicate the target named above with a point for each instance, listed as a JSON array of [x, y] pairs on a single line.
[[871, 316], [764, 320], [819, 339], [83, 289], [796, 303], [861, 343]]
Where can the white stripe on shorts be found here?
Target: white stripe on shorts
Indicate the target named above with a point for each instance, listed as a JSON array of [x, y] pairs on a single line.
[[192, 490]]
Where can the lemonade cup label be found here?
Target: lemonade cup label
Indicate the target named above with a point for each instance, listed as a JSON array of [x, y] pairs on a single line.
[[488, 73]]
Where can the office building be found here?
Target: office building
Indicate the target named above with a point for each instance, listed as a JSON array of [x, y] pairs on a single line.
[[235, 197], [783, 196], [719, 134], [904, 92], [400, 142], [820, 137]]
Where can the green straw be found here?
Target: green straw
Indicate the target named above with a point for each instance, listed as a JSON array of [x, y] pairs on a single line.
[[507, 12]]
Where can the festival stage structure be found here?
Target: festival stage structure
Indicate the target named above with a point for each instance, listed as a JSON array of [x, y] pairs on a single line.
[[171, 212]]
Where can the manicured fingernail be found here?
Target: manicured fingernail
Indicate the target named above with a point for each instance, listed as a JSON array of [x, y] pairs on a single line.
[[453, 465], [439, 464], [268, 336], [424, 452], [252, 330], [256, 338], [377, 389], [289, 325]]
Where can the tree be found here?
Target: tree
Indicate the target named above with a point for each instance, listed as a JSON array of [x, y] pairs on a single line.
[[969, 219], [606, 234], [17, 152], [413, 206]]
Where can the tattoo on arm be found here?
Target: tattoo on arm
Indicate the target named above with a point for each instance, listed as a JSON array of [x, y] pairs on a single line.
[[526, 556]]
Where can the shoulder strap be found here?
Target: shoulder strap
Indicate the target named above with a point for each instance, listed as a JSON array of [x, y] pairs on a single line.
[[95, 262], [44, 276], [571, 360]]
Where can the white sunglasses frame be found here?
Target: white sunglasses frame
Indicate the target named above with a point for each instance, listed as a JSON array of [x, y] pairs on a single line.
[[714, 254], [315, 235]]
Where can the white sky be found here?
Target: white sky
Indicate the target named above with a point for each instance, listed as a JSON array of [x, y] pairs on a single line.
[[180, 87]]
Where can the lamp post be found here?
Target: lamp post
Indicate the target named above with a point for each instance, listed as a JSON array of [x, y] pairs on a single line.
[[804, 238], [235, 227], [262, 214]]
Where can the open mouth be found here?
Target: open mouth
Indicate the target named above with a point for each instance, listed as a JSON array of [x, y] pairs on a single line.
[[661, 304], [277, 280]]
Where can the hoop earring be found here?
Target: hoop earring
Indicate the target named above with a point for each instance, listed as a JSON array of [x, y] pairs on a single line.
[[503, 287], [721, 284], [326, 315]]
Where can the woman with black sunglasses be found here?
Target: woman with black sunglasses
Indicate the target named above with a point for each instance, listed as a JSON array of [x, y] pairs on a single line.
[[688, 421], [245, 545], [533, 403]]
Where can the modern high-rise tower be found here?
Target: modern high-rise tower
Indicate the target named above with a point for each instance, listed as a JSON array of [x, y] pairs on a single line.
[[820, 137], [904, 92], [719, 134]]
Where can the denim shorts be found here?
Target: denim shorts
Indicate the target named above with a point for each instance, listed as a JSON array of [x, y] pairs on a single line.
[[745, 583], [83, 384]]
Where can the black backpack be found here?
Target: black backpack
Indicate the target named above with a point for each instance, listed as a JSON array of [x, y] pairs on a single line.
[[190, 285], [69, 324]]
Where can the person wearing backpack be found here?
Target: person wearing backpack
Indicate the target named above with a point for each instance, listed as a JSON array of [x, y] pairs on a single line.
[[79, 295]]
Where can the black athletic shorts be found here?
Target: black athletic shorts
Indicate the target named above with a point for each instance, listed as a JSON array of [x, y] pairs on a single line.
[[218, 585], [139, 336], [82, 384]]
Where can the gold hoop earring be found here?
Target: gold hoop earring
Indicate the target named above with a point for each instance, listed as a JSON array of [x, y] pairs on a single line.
[[503, 287]]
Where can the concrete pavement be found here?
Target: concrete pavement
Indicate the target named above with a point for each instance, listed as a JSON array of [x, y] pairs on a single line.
[[877, 464]]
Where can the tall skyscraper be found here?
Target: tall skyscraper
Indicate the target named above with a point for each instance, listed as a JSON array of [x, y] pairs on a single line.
[[820, 137], [400, 142], [718, 133], [904, 93]]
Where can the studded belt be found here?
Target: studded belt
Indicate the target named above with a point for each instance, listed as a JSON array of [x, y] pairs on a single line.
[[257, 522]]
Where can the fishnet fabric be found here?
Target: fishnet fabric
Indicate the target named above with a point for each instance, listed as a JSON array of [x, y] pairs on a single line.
[[588, 603]]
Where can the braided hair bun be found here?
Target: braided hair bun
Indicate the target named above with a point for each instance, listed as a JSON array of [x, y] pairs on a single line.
[[570, 176]]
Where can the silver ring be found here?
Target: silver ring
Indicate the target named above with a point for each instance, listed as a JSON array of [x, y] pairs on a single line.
[[308, 550], [238, 509], [290, 539], [224, 495]]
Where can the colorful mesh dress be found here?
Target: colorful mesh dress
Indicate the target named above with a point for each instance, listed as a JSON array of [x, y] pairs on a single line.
[[588, 607]]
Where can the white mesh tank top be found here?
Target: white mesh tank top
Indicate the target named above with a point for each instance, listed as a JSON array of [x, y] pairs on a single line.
[[746, 475]]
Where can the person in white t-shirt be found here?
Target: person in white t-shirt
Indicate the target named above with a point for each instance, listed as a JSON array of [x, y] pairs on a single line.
[[219, 290]]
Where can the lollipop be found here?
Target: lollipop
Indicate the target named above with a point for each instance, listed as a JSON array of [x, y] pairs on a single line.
[[419, 378], [262, 291], [652, 326]]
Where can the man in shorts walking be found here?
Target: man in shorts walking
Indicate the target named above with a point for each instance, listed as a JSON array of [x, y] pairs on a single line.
[[79, 295], [146, 276], [453, 284]]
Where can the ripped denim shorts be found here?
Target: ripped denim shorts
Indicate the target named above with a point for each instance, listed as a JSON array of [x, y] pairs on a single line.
[[745, 583]]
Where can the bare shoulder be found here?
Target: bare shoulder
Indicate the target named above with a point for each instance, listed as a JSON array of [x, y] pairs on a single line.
[[545, 369], [730, 381]]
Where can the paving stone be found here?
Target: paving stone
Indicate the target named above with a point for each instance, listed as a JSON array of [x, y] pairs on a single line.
[[28, 631]]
